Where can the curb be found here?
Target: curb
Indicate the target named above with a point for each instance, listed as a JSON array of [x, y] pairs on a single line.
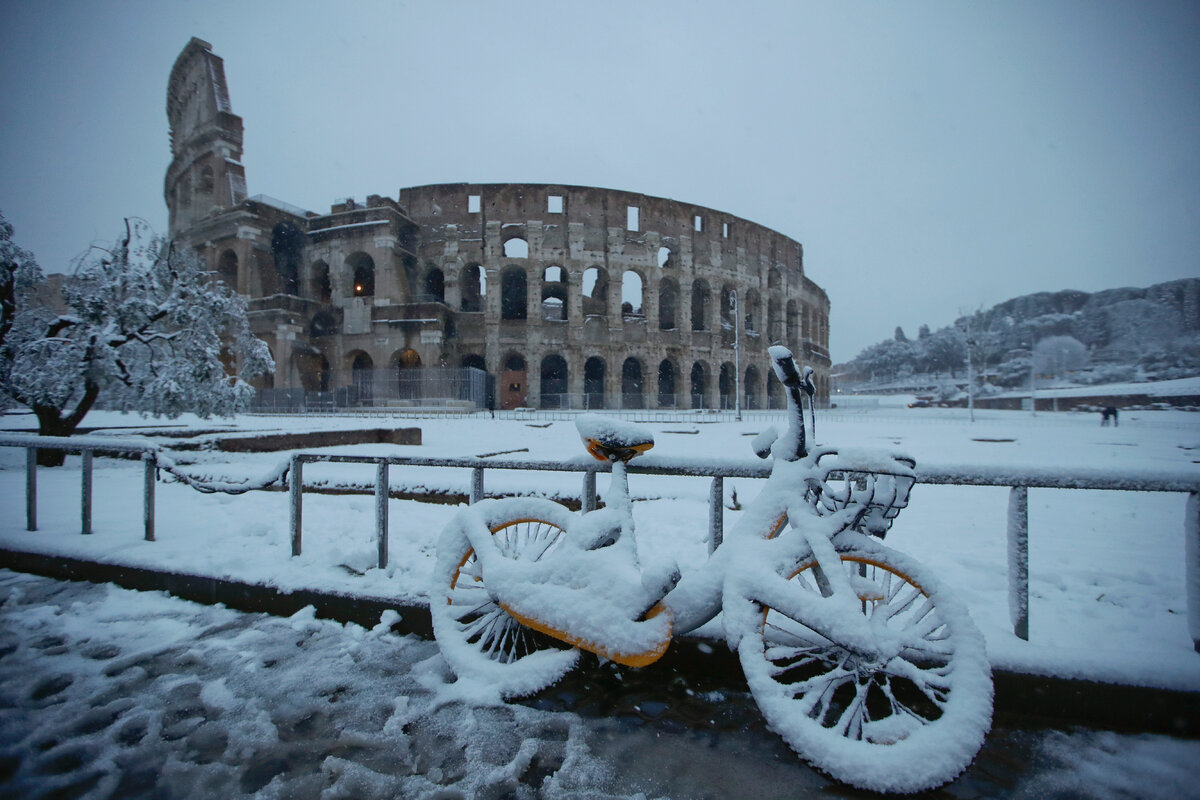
[[1021, 700]]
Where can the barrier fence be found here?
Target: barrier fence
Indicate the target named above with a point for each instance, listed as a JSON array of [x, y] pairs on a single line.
[[292, 475]]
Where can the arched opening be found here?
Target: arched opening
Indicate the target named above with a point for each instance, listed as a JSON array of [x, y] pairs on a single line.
[[793, 324], [362, 378], [287, 247], [554, 382], [319, 288], [595, 292], [516, 247], [474, 360], [313, 369], [362, 268], [435, 286], [751, 388], [512, 382], [728, 304], [631, 384], [472, 285], [664, 257], [699, 385], [727, 385], [227, 269], [593, 382], [666, 384], [700, 303], [753, 313], [631, 295], [408, 376], [513, 294], [668, 304], [554, 294]]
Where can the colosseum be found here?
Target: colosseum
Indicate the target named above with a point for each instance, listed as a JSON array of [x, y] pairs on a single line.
[[557, 296]]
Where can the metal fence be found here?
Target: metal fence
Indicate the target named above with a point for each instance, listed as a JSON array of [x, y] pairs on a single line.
[[1018, 481], [462, 389]]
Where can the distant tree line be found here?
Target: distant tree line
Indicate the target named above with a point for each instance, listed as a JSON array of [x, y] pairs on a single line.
[[1118, 335]]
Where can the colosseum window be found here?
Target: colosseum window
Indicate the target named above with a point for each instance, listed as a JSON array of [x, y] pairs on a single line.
[[666, 384], [435, 286], [753, 312], [593, 382], [631, 295], [473, 204], [699, 385], [206, 179], [727, 385], [698, 223], [631, 384], [631, 218], [472, 284], [554, 294], [554, 382], [516, 247], [362, 267], [227, 269], [515, 362], [595, 292], [513, 302], [750, 387], [664, 257], [318, 285], [554, 204]]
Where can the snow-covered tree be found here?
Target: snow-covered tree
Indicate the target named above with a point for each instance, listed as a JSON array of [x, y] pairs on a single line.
[[145, 326], [1058, 355]]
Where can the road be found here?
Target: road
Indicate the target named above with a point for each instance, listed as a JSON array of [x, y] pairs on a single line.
[[107, 692]]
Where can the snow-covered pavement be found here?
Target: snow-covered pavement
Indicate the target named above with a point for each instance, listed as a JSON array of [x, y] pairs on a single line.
[[106, 692]]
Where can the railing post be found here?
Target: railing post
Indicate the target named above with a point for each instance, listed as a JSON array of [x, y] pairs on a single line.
[[716, 513], [476, 484], [381, 512], [31, 489], [150, 467], [1191, 547], [296, 496], [589, 490], [1018, 560], [85, 492]]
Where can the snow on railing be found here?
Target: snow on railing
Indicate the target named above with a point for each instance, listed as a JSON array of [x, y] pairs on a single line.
[[291, 473]]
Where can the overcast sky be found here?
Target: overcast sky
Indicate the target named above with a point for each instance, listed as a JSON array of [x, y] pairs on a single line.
[[932, 157]]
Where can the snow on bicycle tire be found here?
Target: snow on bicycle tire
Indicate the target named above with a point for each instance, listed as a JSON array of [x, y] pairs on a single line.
[[912, 723], [477, 638]]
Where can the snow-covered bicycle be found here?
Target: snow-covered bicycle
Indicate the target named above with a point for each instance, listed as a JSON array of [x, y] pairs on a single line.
[[860, 659]]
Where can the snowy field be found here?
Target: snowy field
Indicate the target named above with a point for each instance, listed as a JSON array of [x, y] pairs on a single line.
[[1106, 568], [106, 692]]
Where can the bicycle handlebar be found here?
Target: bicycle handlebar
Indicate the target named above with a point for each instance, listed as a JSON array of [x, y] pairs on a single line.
[[797, 386]]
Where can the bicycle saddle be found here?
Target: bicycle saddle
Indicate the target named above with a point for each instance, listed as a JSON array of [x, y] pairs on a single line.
[[613, 439]]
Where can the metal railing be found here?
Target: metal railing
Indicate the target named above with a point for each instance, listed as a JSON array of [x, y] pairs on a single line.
[[1018, 481]]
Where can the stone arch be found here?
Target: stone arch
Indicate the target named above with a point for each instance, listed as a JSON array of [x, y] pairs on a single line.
[[753, 311], [287, 248], [751, 387], [515, 246], [727, 385], [554, 382], [472, 283], [362, 272], [362, 375], [793, 324], [514, 362], [313, 370], [701, 300], [513, 294], [474, 360], [594, 370], [227, 269], [554, 293], [319, 288], [434, 285], [668, 304], [699, 385], [632, 290], [631, 384], [595, 292], [728, 302], [667, 373]]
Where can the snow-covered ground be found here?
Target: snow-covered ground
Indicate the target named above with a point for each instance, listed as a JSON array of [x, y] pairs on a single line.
[[106, 692], [1106, 568]]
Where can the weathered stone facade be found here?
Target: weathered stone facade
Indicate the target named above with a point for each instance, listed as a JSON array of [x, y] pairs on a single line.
[[569, 295]]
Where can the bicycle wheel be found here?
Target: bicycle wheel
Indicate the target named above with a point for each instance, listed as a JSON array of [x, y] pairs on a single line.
[[478, 639], [914, 721]]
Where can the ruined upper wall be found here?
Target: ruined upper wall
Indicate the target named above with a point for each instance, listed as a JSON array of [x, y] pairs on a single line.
[[590, 219]]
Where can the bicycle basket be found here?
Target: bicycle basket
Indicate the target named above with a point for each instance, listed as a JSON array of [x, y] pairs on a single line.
[[879, 483]]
